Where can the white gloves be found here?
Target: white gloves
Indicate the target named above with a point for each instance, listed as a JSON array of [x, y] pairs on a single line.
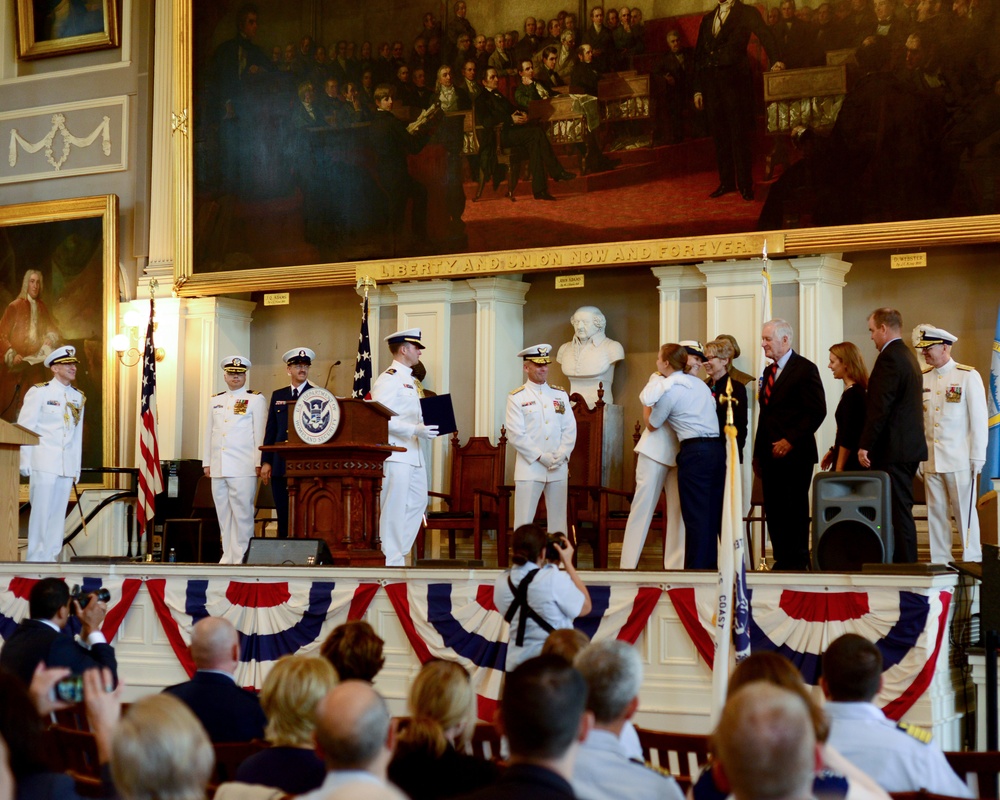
[[546, 460], [977, 465], [425, 431]]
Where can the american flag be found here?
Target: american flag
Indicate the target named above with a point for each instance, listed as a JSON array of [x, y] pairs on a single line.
[[150, 476], [363, 363]]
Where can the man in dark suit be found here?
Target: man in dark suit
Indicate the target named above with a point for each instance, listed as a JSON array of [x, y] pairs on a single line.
[[43, 637], [723, 88], [272, 466], [493, 109], [893, 439], [792, 407], [601, 39], [229, 713]]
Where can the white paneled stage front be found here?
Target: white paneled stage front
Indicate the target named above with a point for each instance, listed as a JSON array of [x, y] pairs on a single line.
[[425, 613]]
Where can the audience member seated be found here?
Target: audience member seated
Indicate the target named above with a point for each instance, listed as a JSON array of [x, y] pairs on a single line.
[[835, 775], [613, 672], [565, 643], [765, 744], [291, 692], [900, 757], [585, 76], [160, 750], [542, 714], [43, 638], [31, 759], [430, 761], [355, 651], [228, 712], [354, 738]]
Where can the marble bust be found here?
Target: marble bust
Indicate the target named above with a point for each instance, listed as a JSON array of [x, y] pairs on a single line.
[[589, 359]]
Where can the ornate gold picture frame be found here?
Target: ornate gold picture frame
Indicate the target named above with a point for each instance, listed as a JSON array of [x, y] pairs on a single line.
[[61, 27], [73, 244], [201, 29]]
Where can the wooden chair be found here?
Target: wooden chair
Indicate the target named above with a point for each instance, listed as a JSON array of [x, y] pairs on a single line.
[[485, 742], [756, 514], [77, 751], [477, 499], [229, 756], [196, 538], [263, 506], [984, 765], [583, 511], [682, 754]]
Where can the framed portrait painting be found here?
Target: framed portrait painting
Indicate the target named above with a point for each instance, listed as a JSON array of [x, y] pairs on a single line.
[[285, 180], [48, 28], [58, 286]]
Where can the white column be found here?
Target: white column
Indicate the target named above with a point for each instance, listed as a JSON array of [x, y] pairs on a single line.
[[821, 282], [210, 328], [674, 278], [427, 305], [161, 203], [499, 337]]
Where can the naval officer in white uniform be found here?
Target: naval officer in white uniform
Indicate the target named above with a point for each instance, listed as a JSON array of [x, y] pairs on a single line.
[[404, 487], [655, 473], [53, 410], [231, 455], [542, 429], [956, 426]]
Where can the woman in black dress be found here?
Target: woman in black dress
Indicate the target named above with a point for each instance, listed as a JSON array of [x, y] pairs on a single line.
[[429, 762], [718, 358], [847, 364]]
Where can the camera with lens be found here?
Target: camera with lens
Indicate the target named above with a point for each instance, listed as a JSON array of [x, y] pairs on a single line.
[[554, 542], [83, 597]]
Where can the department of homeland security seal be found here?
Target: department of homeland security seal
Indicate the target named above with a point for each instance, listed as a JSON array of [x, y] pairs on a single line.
[[316, 416]]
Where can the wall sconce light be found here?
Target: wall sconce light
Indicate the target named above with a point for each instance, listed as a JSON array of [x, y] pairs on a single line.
[[126, 343]]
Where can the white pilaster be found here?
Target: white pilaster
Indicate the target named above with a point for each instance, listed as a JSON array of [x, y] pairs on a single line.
[[499, 337], [673, 279], [161, 203], [379, 298]]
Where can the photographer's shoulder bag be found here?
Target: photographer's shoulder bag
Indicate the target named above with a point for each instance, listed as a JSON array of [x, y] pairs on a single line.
[[520, 593]]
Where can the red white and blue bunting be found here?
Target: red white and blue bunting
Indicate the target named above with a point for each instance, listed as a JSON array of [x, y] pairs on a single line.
[[908, 627]]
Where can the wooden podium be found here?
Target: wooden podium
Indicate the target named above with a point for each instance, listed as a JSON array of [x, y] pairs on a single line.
[[333, 488], [12, 439]]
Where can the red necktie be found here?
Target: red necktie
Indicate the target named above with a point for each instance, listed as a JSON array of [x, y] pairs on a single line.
[[769, 383]]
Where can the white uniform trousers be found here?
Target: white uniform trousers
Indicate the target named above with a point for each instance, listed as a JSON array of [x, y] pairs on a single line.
[[526, 494], [402, 503], [948, 496], [234, 505], [49, 494], [652, 478]]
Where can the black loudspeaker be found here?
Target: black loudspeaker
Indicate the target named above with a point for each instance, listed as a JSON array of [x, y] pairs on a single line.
[[851, 520], [288, 552]]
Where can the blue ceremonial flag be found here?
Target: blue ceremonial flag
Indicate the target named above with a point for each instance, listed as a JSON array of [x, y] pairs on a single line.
[[363, 363], [992, 467]]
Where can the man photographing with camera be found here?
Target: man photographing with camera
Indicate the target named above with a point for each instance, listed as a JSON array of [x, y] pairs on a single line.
[[535, 596], [43, 638]]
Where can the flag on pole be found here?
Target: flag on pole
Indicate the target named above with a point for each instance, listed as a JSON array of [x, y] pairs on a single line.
[[992, 467], [150, 476], [363, 363], [766, 313], [732, 619]]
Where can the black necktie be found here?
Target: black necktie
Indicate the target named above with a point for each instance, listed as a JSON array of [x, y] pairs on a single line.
[[295, 394]]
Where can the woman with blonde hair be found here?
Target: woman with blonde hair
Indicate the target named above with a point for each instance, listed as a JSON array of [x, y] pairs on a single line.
[[289, 696], [429, 762], [847, 364], [161, 750]]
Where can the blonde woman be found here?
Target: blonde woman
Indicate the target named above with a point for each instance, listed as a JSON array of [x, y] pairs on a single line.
[[430, 761], [289, 696]]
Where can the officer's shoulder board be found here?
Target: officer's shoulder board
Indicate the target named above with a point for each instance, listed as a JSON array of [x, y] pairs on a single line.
[[922, 735], [965, 368], [518, 389], [251, 391], [217, 394], [40, 385], [926, 369], [557, 388], [390, 371], [658, 770]]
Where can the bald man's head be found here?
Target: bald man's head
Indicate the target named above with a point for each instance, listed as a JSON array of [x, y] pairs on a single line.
[[215, 644], [352, 729]]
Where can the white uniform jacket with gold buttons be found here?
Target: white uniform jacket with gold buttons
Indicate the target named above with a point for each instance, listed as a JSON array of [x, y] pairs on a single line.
[[955, 418], [540, 420], [397, 390], [234, 433], [55, 412]]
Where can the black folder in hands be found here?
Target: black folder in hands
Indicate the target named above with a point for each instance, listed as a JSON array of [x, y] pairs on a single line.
[[438, 410]]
